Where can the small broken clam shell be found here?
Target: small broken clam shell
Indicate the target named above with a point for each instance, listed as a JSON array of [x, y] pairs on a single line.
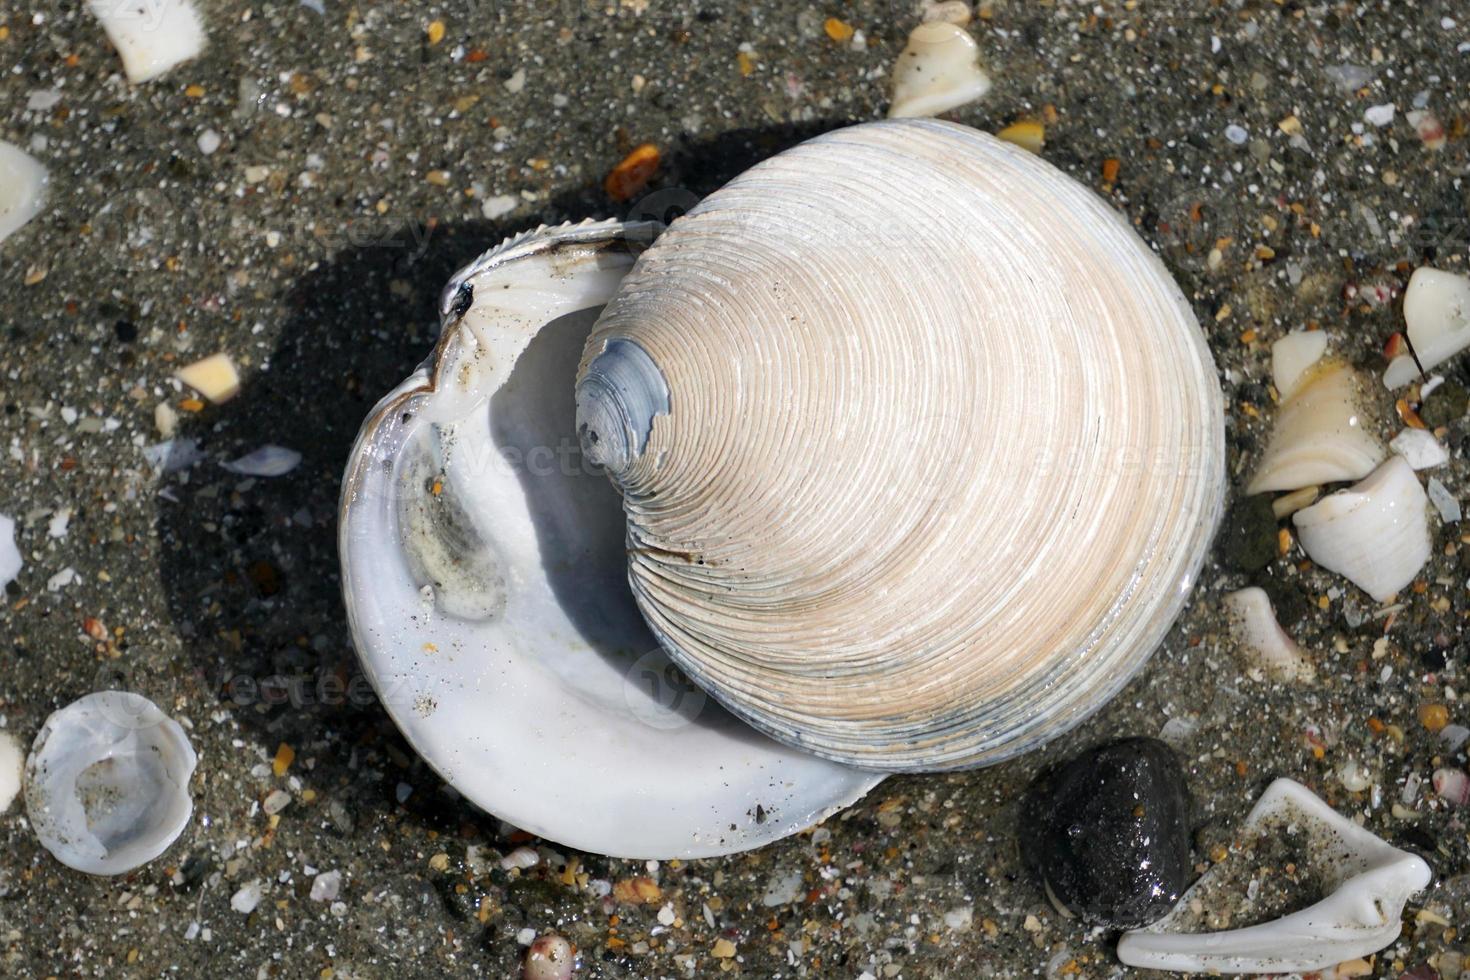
[[107, 782]]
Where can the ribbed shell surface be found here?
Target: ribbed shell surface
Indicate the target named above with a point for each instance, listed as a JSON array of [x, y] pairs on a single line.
[[943, 447]]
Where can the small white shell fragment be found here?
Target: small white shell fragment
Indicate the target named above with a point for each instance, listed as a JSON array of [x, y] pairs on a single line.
[[955, 12], [266, 461], [550, 957], [1454, 736], [1419, 448], [151, 36], [214, 377], [11, 764], [1375, 533], [1379, 115], [1437, 321], [1370, 880], [22, 188], [521, 857], [10, 558], [1253, 625], [1354, 777], [1427, 125], [938, 70], [247, 897], [107, 782], [499, 206], [1452, 786], [173, 455], [1289, 503], [1320, 434], [1292, 355], [165, 420], [1444, 501]]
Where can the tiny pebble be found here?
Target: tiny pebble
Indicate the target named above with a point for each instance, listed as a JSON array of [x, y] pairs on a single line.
[[209, 141], [1237, 134], [277, 801], [247, 898], [326, 886], [1379, 115]]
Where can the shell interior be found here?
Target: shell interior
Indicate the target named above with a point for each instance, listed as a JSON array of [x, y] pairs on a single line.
[[107, 782], [485, 579]]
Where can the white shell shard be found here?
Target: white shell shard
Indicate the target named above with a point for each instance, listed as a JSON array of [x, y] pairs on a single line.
[[1292, 355], [1437, 321], [1445, 502], [1375, 533], [23, 183], [942, 453], [1253, 625], [151, 36], [1320, 434], [1369, 881], [107, 782], [267, 461], [485, 580], [938, 70], [10, 557], [11, 764], [1419, 448]]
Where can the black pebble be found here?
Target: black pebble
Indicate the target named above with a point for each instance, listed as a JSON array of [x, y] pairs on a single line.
[[1108, 833], [126, 331]]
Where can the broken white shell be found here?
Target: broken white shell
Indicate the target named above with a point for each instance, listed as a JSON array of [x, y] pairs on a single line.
[[151, 36], [484, 577], [1437, 322], [1369, 879], [11, 764], [938, 70], [107, 782], [920, 446], [1292, 355], [1419, 448], [1376, 533], [10, 557], [1320, 433], [22, 188], [1254, 627]]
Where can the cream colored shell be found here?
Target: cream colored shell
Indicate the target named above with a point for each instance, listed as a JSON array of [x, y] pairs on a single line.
[[920, 446]]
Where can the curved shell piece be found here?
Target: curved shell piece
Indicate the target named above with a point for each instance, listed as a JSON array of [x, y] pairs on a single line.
[[151, 37], [107, 782], [938, 70], [22, 188], [1254, 626], [1369, 881], [1375, 533], [1292, 356], [484, 577], [1437, 321], [942, 450], [1320, 434]]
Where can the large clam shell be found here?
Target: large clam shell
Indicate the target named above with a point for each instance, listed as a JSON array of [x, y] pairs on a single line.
[[921, 448]]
